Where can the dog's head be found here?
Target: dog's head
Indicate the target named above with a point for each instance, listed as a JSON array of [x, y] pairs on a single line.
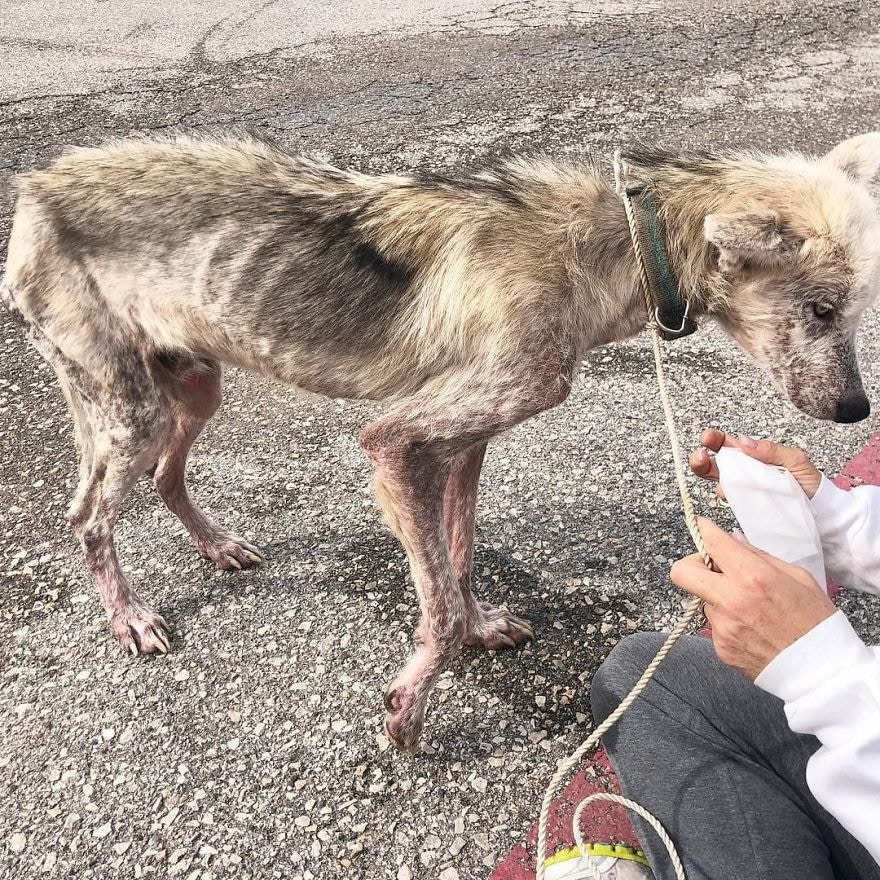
[[794, 267]]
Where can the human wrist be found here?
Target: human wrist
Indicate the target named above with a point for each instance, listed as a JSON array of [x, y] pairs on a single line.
[[827, 649]]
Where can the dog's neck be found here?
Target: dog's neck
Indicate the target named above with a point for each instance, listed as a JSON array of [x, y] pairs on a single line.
[[682, 215], [612, 304]]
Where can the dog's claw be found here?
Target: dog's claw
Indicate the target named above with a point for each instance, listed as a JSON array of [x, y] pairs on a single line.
[[228, 551], [254, 551], [409, 746], [525, 624], [496, 628], [140, 630], [388, 701]]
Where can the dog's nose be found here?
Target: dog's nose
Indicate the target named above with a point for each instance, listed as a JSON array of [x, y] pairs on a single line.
[[852, 409]]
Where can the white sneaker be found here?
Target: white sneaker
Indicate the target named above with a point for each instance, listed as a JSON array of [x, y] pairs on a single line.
[[602, 862]]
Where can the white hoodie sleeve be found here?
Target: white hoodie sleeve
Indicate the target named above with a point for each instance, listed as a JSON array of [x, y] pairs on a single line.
[[829, 680], [849, 526]]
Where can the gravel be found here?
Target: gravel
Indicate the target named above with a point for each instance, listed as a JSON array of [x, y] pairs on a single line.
[[255, 749]]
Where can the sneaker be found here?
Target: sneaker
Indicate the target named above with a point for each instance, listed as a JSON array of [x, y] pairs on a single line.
[[602, 862]]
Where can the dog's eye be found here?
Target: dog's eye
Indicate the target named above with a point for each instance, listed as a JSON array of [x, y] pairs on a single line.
[[822, 310]]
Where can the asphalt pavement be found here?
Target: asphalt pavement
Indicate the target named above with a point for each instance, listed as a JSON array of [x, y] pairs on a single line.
[[254, 749]]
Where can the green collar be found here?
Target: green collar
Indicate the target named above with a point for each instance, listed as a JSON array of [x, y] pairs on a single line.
[[671, 312]]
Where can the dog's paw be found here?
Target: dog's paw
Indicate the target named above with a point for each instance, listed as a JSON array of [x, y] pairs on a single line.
[[228, 551], [141, 630], [405, 718], [496, 628]]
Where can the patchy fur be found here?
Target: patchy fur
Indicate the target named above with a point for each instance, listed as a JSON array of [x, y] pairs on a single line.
[[139, 268]]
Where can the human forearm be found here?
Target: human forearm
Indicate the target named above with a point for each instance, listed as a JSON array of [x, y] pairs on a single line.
[[830, 683]]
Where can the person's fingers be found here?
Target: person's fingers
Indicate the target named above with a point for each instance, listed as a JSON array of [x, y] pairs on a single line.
[[771, 452], [764, 450], [710, 612], [714, 439], [690, 574], [703, 465], [718, 550], [794, 460], [779, 565], [729, 555]]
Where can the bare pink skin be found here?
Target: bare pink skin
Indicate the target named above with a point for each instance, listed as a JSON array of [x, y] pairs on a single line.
[[116, 448], [428, 458], [138, 627], [487, 626], [223, 547]]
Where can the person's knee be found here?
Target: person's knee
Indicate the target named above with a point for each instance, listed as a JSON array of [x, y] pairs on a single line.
[[621, 669]]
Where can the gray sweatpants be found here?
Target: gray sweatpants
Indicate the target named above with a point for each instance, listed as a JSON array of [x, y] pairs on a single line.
[[713, 758]]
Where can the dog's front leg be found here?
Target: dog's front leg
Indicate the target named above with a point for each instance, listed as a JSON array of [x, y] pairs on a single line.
[[411, 496], [487, 625], [409, 482], [414, 448]]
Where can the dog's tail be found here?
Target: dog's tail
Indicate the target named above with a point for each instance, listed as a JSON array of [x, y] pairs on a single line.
[[8, 300]]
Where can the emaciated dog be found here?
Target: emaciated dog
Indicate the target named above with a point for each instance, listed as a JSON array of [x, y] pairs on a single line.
[[139, 268]]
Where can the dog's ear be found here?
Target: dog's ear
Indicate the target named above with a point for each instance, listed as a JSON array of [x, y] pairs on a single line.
[[743, 240], [858, 157]]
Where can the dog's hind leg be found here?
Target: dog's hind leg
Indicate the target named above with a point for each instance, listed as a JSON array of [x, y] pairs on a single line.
[[414, 448], [127, 424], [119, 423], [72, 380], [491, 627], [196, 391]]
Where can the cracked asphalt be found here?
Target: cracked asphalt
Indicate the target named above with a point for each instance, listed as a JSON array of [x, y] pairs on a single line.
[[254, 750]]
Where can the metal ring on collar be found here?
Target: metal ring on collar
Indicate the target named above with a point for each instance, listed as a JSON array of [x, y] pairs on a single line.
[[684, 318]]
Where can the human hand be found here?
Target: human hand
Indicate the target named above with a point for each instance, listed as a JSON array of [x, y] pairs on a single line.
[[794, 460], [757, 604]]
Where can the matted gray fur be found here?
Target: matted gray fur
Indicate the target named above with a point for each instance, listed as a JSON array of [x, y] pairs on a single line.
[[139, 268]]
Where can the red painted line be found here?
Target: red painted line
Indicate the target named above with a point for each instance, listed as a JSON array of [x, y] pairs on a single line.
[[606, 822], [609, 823], [864, 468]]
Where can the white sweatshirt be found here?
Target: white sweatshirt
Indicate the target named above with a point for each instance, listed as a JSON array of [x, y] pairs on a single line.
[[829, 679]]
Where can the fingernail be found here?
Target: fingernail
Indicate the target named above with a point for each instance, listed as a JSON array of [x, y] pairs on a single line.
[[748, 442], [739, 536]]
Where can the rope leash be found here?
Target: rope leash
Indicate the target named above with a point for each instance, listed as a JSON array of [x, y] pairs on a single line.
[[693, 609]]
